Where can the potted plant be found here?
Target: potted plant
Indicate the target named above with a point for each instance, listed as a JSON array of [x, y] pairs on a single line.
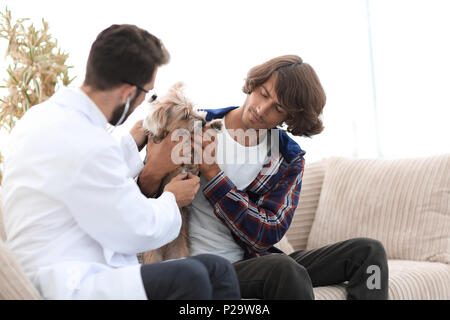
[[36, 68]]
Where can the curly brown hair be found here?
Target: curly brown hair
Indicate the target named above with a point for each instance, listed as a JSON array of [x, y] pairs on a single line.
[[298, 89]]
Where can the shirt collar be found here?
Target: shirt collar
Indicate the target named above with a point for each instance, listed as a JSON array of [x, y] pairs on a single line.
[[77, 99], [289, 149]]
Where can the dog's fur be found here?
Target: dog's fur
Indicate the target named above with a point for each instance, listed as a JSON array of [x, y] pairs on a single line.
[[170, 112]]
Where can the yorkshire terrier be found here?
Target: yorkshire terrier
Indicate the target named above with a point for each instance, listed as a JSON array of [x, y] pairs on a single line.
[[170, 112]]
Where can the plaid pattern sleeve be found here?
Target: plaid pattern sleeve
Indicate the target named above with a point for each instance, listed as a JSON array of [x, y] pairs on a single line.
[[259, 216]]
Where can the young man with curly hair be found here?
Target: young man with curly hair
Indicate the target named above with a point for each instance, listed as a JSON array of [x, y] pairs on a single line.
[[246, 207]]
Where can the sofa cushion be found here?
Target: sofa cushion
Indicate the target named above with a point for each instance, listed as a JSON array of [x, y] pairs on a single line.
[[300, 227], [2, 227], [334, 292], [14, 284], [408, 280], [419, 280], [285, 246], [402, 203]]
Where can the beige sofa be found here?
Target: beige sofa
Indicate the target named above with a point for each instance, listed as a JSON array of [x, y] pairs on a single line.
[[403, 203]]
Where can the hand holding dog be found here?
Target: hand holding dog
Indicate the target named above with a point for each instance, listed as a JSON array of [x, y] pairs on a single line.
[[159, 164], [206, 147], [184, 186], [159, 156], [139, 135]]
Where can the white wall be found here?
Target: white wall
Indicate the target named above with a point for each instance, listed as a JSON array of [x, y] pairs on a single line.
[[214, 43]]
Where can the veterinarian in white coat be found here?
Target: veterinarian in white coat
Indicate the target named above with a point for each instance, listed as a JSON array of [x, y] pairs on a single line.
[[65, 170], [74, 217]]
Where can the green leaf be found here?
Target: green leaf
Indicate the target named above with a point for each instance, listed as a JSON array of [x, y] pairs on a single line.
[[25, 75], [38, 88], [11, 75], [29, 80], [28, 98]]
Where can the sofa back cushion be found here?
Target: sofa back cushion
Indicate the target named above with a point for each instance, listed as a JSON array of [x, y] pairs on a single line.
[[300, 228], [2, 227], [403, 203]]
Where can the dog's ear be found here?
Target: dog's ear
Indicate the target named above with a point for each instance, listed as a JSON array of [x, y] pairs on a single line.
[[156, 123], [182, 106], [165, 111]]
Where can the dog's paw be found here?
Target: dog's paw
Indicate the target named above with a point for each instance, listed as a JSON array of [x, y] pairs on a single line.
[[216, 124]]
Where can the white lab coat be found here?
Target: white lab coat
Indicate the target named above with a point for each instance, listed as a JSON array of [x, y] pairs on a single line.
[[74, 217]]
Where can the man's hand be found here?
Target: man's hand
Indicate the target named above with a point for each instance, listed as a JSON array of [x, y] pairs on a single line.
[[139, 135], [159, 164], [206, 148], [184, 186], [159, 156]]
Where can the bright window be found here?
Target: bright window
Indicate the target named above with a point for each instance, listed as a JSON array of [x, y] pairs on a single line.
[[405, 60]]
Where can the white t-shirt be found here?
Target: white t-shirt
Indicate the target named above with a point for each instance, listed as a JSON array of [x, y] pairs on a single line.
[[242, 165]]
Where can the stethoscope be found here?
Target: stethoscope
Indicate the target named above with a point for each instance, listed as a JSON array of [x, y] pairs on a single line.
[[122, 117], [125, 111], [127, 107]]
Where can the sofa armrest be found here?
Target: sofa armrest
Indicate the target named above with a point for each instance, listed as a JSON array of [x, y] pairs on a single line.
[[2, 228], [313, 176], [14, 284]]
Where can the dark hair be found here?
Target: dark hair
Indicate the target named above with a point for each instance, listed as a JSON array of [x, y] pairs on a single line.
[[298, 90], [124, 53]]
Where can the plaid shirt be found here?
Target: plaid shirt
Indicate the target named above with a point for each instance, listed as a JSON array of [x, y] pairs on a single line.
[[259, 216]]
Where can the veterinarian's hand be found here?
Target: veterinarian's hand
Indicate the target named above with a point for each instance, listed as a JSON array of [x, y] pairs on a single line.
[[184, 186], [139, 135]]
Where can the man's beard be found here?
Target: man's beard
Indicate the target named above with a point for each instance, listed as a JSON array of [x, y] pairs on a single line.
[[118, 111]]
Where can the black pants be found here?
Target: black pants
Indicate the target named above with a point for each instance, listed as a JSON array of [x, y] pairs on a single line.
[[278, 276], [200, 277]]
